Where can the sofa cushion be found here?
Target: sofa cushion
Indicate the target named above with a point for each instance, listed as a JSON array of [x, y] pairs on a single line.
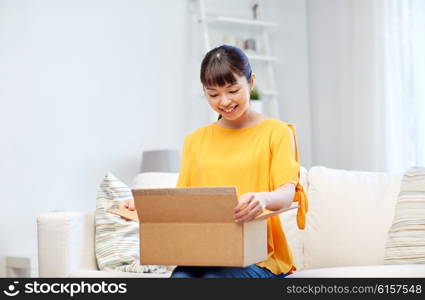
[[350, 213], [117, 240], [406, 239]]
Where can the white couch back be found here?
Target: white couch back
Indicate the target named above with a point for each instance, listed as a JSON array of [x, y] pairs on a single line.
[[349, 216]]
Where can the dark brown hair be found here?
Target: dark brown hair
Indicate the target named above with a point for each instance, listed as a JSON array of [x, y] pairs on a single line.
[[220, 65]]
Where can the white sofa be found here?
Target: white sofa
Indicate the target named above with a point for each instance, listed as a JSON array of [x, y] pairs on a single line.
[[350, 213]]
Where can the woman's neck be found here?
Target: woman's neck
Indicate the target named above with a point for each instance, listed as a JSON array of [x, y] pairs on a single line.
[[249, 118]]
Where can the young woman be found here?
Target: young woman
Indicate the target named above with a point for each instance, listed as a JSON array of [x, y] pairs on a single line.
[[245, 149]]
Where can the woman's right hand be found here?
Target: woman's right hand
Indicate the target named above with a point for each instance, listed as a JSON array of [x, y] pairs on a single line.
[[127, 204]]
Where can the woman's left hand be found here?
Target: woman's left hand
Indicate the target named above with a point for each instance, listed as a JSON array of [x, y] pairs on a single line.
[[249, 207]]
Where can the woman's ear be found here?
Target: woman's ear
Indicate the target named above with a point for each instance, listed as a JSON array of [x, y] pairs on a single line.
[[252, 81]]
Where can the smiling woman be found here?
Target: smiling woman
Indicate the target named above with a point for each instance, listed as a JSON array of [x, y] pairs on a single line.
[[244, 149], [249, 151]]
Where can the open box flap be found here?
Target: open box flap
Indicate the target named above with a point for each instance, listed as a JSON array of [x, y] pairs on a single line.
[[268, 213], [132, 215]]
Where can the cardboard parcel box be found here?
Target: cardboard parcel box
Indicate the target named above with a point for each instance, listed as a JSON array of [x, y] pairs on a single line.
[[195, 227]]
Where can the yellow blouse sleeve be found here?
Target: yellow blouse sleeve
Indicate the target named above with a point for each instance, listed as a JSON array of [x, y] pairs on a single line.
[[184, 173], [285, 168]]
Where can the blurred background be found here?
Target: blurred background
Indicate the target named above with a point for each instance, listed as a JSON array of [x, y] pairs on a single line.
[[87, 86]]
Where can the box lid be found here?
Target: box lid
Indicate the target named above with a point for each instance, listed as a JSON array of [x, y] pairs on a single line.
[[189, 204]]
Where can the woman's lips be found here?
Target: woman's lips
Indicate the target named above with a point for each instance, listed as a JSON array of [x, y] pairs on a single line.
[[231, 111]]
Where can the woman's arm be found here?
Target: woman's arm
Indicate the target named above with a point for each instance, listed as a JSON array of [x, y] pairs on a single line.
[[280, 198], [252, 205]]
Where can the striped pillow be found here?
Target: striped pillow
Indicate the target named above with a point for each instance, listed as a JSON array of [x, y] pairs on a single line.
[[406, 240], [117, 240]]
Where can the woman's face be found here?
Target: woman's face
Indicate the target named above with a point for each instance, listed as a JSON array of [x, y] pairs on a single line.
[[232, 100]]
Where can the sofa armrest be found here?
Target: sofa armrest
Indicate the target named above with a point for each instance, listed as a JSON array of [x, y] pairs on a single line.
[[65, 243]]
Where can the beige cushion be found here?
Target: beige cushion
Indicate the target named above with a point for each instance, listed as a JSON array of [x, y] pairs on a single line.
[[406, 239], [350, 213], [117, 240]]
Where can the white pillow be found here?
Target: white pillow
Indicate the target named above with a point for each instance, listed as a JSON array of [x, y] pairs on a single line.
[[117, 240], [350, 213]]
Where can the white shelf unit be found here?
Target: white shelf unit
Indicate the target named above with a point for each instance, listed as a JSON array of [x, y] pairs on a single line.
[[260, 60], [225, 19]]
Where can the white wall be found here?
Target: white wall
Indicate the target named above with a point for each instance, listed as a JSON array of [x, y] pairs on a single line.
[[345, 111], [289, 43], [85, 87]]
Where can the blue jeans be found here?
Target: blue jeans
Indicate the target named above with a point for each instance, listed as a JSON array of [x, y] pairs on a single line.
[[252, 271]]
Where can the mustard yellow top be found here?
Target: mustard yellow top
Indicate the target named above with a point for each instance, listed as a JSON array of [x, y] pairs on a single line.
[[258, 158]]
